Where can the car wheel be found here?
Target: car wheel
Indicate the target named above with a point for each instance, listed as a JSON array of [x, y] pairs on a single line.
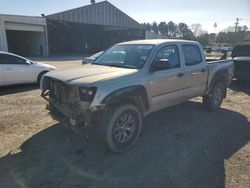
[[122, 128], [215, 98]]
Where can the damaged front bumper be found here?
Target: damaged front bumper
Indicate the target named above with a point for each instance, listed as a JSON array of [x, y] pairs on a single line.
[[77, 121], [66, 105]]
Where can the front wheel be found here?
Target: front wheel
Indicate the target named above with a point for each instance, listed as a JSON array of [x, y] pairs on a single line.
[[214, 100], [122, 128]]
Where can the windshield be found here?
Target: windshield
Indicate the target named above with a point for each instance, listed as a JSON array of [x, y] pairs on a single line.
[[125, 56]]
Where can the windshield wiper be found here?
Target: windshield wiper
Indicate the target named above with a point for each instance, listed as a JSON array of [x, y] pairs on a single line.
[[115, 65], [121, 66]]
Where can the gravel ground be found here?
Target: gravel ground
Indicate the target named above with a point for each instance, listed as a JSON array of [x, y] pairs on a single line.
[[181, 146]]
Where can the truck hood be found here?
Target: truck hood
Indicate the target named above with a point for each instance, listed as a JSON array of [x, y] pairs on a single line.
[[90, 74]]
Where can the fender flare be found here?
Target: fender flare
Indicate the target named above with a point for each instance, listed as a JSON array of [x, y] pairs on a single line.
[[219, 76], [134, 94]]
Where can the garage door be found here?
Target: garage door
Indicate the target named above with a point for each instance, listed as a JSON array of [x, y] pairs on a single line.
[[23, 27]]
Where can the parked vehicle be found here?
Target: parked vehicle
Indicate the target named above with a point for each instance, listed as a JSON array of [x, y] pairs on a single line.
[[222, 48], [208, 49], [91, 59], [131, 80], [241, 58], [15, 69]]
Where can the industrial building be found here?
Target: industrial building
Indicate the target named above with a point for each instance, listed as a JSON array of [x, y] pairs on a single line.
[[90, 28], [24, 35], [86, 29]]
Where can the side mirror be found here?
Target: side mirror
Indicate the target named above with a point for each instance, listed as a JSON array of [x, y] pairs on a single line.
[[162, 64]]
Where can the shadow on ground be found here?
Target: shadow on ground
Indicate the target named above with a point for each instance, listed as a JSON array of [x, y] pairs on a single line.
[[182, 146], [7, 90], [243, 86]]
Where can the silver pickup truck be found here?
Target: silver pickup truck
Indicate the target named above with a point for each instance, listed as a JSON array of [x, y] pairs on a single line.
[[131, 80]]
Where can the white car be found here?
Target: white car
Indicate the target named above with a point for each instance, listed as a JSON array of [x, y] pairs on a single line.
[[15, 69]]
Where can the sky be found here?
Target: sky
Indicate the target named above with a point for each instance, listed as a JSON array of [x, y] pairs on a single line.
[[205, 12]]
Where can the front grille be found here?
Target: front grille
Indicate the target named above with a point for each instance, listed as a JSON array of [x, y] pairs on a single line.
[[63, 94]]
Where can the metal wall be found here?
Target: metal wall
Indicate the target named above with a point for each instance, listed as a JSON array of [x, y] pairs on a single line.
[[22, 23], [103, 13]]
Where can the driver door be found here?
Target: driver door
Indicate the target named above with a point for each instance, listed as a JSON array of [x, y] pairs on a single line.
[[166, 85], [17, 70]]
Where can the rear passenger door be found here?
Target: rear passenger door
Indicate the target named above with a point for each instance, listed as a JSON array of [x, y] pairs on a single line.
[[166, 86], [195, 71]]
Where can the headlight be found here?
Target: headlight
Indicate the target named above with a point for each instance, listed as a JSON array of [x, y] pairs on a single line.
[[52, 68], [87, 94]]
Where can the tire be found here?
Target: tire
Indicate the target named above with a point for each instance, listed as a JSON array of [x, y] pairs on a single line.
[[121, 127], [214, 100], [40, 76]]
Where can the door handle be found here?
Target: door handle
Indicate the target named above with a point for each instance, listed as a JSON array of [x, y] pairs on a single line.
[[203, 70], [180, 74]]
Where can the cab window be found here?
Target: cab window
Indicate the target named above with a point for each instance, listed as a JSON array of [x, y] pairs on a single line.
[[192, 54], [169, 53]]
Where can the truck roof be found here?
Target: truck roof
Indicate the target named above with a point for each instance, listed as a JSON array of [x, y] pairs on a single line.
[[157, 41]]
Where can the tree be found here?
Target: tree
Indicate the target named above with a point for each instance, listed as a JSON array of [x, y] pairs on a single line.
[[189, 35], [147, 26], [197, 29], [203, 39], [155, 27], [244, 28], [183, 28], [229, 29], [162, 27], [172, 29]]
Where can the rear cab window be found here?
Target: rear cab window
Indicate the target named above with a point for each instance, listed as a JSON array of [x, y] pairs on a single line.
[[192, 54]]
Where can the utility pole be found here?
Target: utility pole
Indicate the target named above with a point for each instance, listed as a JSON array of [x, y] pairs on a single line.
[[215, 27], [237, 24]]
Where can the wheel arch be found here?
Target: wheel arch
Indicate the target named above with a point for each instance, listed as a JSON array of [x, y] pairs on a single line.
[[219, 76], [41, 74], [133, 94]]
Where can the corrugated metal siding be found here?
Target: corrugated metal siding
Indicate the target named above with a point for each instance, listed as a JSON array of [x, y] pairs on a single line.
[[103, 13], [24, 19]]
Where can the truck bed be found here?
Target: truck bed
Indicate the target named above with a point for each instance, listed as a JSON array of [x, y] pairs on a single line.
[[220, 65]]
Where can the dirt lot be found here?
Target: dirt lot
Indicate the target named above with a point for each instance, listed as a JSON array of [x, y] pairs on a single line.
[[182, 146]]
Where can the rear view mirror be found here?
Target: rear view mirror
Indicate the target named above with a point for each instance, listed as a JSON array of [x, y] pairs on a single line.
[[162, 64]]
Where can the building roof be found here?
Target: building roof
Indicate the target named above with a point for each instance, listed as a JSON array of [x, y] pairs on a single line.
[[102, 13]]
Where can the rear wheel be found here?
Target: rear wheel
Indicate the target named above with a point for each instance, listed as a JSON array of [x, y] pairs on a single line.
[[214, 100], [122, 127]]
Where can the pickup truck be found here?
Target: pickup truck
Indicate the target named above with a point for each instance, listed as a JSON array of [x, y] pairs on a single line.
[[131, 80], [241, 58]]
